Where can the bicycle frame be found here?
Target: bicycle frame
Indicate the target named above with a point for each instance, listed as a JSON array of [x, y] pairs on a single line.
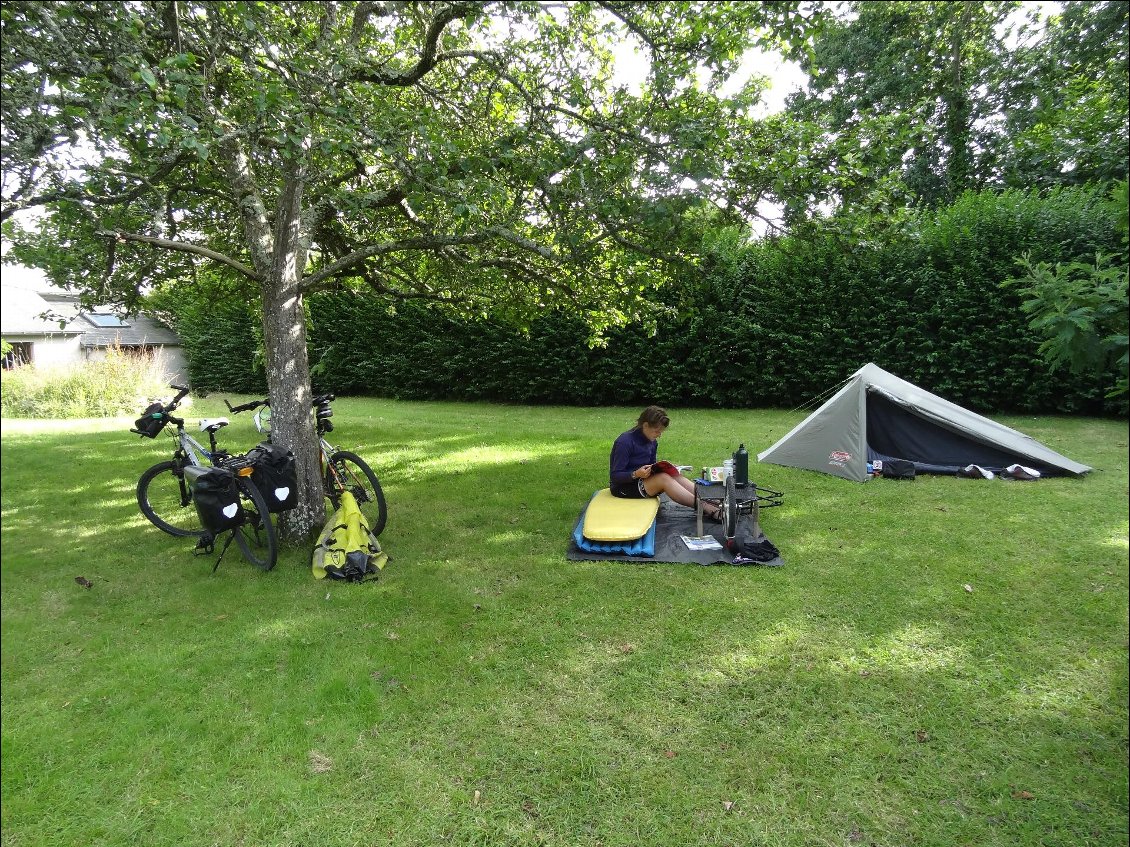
[[192, 450], [325, 451], [189, 451]]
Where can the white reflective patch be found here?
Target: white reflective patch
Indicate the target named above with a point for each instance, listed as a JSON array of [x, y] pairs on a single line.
[[281, 493], [229, 511]]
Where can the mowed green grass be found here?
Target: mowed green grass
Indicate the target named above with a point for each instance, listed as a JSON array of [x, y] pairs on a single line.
[[940, 662]]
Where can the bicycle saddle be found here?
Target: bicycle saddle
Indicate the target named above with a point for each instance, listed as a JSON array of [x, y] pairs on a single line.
[[212, 424]]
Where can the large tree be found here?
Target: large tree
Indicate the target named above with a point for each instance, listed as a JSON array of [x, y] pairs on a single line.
[[930, 98], [903, 87], [476, 154], [1065, 102]]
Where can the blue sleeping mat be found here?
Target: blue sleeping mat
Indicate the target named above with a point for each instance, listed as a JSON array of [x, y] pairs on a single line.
[[644, 546]]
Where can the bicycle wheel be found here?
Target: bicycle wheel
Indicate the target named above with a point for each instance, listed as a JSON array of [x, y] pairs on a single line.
[[163, 497], [730, 510], [256, 536], [348, 471]]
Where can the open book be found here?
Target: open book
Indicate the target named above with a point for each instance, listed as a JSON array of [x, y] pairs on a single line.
[[669, 469]]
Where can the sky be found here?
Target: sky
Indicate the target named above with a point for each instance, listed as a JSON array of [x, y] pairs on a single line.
[[785, 77], [17, 276]]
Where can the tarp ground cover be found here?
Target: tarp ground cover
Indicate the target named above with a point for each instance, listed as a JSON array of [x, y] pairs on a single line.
[[671, 524]]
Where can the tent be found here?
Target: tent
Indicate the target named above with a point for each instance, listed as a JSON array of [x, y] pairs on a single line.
[[876, 415]]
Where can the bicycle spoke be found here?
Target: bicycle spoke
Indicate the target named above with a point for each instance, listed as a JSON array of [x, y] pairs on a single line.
[[160, 497]]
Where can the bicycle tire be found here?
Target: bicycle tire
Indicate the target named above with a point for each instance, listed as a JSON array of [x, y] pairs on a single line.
[[364, 485], [256, 536], [159, 497], [730, 510]]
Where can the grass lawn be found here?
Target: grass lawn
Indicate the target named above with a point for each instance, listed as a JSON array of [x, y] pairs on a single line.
[[940, 662]]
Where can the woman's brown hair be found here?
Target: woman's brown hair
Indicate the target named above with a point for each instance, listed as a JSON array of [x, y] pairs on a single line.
[[654, 415]]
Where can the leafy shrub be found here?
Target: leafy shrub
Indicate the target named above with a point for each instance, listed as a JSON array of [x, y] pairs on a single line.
[[119, 384]]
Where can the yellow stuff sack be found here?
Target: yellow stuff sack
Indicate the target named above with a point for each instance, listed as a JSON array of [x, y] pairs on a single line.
[[347, 549]]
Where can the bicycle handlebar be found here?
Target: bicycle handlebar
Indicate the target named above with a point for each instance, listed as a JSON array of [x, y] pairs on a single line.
[[182, 390], [266, 401], [246, 407]]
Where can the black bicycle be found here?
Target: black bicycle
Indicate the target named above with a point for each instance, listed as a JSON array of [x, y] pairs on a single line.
[[165, 496], [341, 470]]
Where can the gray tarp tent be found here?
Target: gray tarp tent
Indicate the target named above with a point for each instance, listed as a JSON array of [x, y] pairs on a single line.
[[876, 415]]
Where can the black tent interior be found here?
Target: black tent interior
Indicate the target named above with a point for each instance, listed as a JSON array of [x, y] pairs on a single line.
[[895, 432]]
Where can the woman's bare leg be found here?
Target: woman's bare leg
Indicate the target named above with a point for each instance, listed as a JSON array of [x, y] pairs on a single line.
[[686, 483], [678, 488]]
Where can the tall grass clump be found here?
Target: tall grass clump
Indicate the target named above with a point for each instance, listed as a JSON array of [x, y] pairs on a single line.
[[118, 384]]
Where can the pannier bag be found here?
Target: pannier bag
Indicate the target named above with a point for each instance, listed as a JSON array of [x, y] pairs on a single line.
[[151, 422], [216, 497], [898, 469], [275, 475]]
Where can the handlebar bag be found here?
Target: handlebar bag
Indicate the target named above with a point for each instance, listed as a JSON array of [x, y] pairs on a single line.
[[152, 421], [216, 497], [276, 476]]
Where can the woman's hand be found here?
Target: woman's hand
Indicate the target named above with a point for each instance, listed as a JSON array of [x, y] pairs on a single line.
[[642, 473]]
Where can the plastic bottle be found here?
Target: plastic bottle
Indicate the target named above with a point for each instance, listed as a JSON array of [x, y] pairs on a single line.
[[728, 464], [741, 466]]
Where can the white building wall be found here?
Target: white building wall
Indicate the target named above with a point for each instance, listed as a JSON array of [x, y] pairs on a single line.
[[51, 350]]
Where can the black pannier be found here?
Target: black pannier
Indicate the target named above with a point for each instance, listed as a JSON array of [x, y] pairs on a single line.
[[151, 422], [216, 497], [276, 476]]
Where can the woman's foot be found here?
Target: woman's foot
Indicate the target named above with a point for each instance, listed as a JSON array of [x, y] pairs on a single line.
[[712, 512]]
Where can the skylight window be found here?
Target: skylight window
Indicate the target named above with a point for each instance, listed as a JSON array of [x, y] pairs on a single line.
[[105, 319]]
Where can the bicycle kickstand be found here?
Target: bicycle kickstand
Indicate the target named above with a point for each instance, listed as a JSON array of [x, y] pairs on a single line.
[[223, 550]]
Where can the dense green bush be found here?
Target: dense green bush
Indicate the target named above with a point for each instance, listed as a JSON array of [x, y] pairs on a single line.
[[122, 383], [221, 338], [770, 324]]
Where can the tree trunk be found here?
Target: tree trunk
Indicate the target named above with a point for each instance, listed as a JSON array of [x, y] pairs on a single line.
[[288, 366], [279, 259], [957, 106], [292, 420]]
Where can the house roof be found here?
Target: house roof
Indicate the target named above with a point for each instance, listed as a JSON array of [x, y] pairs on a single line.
[[139, 329], [22, 307], [20, 311]]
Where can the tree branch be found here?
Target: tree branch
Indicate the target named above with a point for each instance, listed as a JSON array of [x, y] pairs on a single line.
[[358, 256], [181, 247], [75, 195], [428, 57]]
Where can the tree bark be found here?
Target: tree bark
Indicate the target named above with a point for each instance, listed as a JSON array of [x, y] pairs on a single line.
[[279, 258], [288, 366]]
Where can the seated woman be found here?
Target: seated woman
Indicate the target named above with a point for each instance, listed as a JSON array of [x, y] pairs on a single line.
[[630, 472]]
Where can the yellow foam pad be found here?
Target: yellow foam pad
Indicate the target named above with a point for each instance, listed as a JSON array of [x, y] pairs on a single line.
[[609, 518]]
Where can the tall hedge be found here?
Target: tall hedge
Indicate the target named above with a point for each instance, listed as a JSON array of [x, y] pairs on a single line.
[[222, 342], [771, 324]]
